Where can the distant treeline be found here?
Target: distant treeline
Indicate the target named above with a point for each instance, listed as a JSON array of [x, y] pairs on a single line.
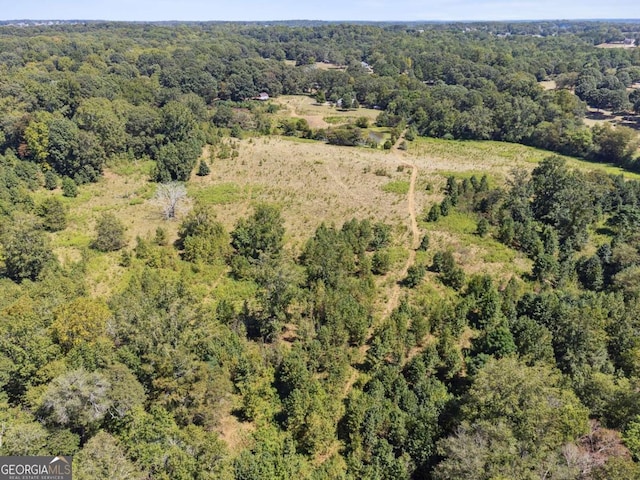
[[76, 95]]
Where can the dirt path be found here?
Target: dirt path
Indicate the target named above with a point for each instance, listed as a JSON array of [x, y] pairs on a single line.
[[415, 233], [234, 433], [394, 296]]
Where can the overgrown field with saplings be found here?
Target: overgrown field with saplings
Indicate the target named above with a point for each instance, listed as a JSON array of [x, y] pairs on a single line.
[[321, 251]]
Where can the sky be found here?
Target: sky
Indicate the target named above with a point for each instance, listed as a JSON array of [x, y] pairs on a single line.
[[368, 10]]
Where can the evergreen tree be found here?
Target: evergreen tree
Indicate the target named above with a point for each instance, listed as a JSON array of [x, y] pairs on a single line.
[[69, 187], [203, 169]]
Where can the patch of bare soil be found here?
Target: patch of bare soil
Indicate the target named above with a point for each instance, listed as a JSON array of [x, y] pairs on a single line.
[[598, 117], [548, 84], [615, 45], [234, 433]]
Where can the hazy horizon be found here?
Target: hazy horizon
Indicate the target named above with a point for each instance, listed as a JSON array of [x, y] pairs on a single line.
[[331, 10]]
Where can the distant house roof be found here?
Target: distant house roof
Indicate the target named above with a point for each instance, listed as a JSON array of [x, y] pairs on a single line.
[[263, 96]]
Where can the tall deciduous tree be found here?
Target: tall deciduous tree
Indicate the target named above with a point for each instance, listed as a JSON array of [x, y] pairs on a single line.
[[512, 408], [81, 321], [26, 253], [103, 458], [77, 398], [54, 215], [202, 237], [171, 197], [261, 235]]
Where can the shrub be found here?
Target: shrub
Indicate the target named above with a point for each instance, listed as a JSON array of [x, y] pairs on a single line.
[[348, 136], [453, 278], [69, 187], [445, 207], [415, 274], [203, 169], [236, 131], [54, 216], [109, 234], [410, 135], [381, 262], [483, 227], [362, 122], [442, 261], [125, 259], [424, 243], [434, 213], [50, 180], [161, 236], [450, 274], [203, 238], [26, 253], [381, 236]]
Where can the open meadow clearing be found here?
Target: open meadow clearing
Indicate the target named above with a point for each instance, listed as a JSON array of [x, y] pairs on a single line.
[[312, 183]]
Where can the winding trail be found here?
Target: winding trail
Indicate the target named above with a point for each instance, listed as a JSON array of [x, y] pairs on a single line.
[[394, 296]]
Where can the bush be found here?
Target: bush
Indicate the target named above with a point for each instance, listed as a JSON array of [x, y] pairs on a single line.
[[69, 187], [450, 274], [434, 213], [161, 237], [236, 131], [381, 236], [362, 122], [380, 262], [125, 259], [410, 135], [445, 207], [453, 278], [483, 227], [347, 136], [424, 243], [54, 216], [50, 180], [202, 238], [203, 169], [415, 274], [545, 268], [632, 437], [26, 253], [109, 234]]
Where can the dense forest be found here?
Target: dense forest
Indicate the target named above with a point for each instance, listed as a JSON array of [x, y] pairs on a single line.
[[532, 375]]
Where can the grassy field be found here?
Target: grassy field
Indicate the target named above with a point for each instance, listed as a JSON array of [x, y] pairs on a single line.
[[497, 158], [476, 254], [320, 116], [312, 182]]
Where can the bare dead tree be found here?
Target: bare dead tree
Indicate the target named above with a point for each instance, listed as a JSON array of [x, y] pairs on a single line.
[[171, 197]]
